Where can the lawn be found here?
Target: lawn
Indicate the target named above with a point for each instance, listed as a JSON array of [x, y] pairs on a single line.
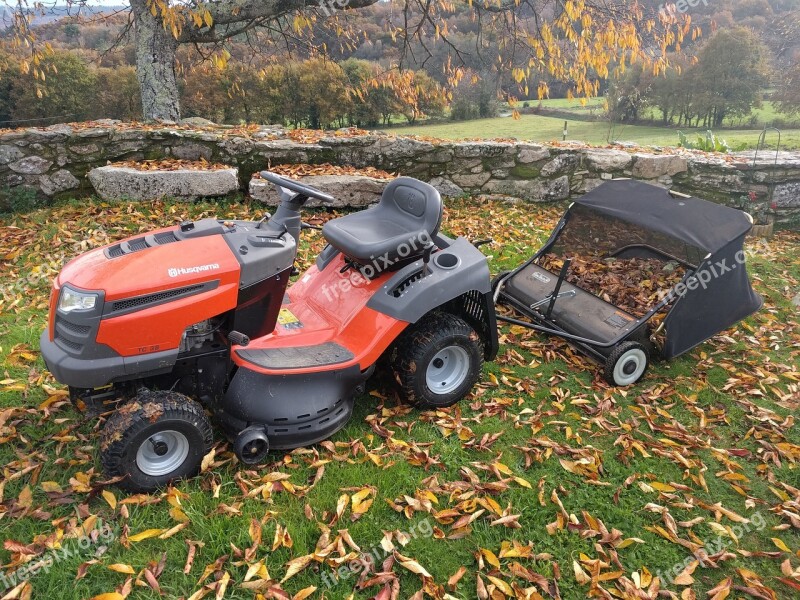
[[766, 114], [541, 128], [544, 483]]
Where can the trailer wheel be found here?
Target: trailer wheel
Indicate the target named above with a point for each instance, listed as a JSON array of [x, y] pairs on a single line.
[[437, 361], [155, 438], [626, 364]]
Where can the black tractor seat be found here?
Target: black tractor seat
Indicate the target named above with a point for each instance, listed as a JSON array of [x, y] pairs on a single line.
[[405, 220]]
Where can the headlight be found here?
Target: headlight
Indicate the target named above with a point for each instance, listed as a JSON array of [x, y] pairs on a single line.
[[71, 300]]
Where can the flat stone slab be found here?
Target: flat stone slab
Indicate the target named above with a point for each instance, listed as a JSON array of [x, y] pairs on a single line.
[[348, 190], [115, 183]]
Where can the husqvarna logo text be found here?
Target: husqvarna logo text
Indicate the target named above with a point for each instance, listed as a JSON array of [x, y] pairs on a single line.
[[175, 271]]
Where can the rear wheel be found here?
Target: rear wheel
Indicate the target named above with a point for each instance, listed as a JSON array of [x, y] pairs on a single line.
[[437, 361], [626, 364], [155, 438]]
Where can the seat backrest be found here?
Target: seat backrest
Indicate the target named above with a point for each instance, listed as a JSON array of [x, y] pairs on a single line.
[[415, 202]]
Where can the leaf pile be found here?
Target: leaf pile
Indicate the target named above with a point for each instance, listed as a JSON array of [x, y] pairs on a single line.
[[305, 170], [633, 284], [170, 164], [312, 136]]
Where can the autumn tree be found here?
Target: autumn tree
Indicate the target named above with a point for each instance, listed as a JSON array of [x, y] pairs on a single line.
[[474, 97], [363, 112], [629, 94], [579, 41], [731, 72], [67, 90], [322, 92], [787, 96], [425, 98], [117, 94]]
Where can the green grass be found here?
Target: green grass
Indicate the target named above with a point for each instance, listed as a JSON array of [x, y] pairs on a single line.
[[766, 114], [546, 402], [539, 128]]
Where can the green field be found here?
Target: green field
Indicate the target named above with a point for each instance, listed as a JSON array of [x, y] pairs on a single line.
[[540, 128], [544, 479]]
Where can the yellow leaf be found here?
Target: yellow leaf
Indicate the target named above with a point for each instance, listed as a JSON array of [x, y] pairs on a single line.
[[502, 585], [296, 565], [222, 586], [662, 487], [109, 596], [627, 542], [109, 497], [146, 534], [177, 514], [208, 459], [25, 497], [360, 503], [411, 565], [780, 544], [304, 593], [490, 557], [502, 468], [580, 575], [121, 568], [173, 530], [51, 486], [523, 482]]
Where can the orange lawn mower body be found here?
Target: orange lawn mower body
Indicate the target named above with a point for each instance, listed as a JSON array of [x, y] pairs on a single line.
[[159, 330]]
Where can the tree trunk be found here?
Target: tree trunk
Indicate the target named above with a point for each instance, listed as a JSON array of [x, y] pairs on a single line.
[[155, 65]]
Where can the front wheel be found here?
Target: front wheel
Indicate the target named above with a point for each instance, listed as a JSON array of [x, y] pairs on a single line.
[[626, 364], [153, 439], [437, 361]]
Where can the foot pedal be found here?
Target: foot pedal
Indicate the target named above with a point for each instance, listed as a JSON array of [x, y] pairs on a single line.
[[238, 339]]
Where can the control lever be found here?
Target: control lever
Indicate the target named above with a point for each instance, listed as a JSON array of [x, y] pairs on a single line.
[[479, 243], [238, 339], [304, 225], [267, 216], [426, 258]]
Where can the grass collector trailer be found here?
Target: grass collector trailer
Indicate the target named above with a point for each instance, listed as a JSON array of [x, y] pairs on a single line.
[[693, 247]]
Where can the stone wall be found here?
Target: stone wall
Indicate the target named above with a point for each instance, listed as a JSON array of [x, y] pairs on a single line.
[[54, 161]]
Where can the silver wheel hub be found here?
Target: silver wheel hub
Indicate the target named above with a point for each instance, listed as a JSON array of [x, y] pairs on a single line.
[[447, 370], [162, 453], [630, 366]]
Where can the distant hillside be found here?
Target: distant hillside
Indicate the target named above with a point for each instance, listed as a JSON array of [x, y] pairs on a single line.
[[55, 13]]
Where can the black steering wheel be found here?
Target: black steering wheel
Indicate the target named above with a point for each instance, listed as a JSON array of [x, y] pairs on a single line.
[[284, 183]]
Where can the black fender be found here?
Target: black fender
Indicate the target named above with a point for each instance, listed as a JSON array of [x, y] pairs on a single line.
[[457, 279]]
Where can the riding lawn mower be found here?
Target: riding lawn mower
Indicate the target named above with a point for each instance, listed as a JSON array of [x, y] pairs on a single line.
[[166, 327]]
